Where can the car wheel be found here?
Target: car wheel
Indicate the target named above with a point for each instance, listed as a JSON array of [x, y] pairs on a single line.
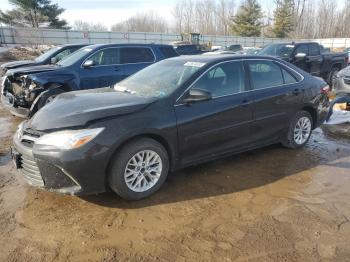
[[139, 169], [299, 131], [48, 97]]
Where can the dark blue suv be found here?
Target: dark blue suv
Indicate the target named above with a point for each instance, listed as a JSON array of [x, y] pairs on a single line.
[[26, 90]]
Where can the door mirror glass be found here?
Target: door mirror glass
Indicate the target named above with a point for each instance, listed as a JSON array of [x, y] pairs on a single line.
[[54, 60], [300, 56], [197, 95], [88, 63]]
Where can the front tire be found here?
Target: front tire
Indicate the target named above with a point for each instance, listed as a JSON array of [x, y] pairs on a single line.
[[139, 169], [299, 131]]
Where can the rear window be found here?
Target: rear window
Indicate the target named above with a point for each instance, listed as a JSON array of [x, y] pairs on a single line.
[[288, 77], [130, 55], [168, 51], [265, 74]]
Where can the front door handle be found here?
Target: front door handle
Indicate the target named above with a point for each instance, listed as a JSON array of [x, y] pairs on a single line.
[[296, 91], [245, 103], [116, 69]]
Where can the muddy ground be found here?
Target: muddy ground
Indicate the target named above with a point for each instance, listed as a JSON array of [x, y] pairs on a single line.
[[270, 204]]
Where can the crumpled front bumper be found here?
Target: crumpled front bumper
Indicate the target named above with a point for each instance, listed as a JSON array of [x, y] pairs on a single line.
[[8, 101]]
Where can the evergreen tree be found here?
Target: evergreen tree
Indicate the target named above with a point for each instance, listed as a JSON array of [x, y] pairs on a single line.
[[247, 21], [33, 13], [283, 18]]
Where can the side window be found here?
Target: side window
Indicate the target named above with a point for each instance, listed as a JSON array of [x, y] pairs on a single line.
[[265, 74], [136, 55], [302, 49], [168, 51], [224, 79], [109, 56], [288, 78], [63, 54], [314, 50]]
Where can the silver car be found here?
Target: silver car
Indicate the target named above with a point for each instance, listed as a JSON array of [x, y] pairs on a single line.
[[342, 82]]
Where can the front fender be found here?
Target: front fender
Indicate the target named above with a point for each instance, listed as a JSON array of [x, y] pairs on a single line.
[[67, 81]]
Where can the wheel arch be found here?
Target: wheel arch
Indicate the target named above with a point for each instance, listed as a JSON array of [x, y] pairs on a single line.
[[159, 138], [312, 111]]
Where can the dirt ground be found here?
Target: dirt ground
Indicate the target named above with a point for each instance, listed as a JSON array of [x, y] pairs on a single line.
[[270, 204]]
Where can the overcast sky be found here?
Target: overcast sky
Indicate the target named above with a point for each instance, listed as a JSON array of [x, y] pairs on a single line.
[[109, 12]]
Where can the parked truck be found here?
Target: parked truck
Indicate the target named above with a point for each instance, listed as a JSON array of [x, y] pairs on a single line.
[[311, 57]]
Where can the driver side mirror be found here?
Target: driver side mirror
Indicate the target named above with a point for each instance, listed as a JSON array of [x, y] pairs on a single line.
[[88, 63], [54, 60], [196, 95], [300, 56]]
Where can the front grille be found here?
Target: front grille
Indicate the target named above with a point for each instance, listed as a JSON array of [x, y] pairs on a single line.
[[30, 171]]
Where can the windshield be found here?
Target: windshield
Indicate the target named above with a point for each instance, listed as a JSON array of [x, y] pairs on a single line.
[[74, 57], [160, 79], [47, 54], [280, 50]]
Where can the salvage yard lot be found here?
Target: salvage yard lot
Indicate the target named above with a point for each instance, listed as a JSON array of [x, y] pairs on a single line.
[[270, 204]]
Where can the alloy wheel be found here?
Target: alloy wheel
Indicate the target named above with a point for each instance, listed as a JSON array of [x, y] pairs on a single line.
[[143, 170], [302, 130]]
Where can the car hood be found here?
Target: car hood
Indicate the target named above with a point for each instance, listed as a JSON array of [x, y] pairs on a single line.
[[76, 109], [32, 70], [15, 64]]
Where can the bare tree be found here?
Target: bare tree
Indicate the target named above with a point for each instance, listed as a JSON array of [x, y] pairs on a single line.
[[204, 16], [143, 22], [224, 11], [86, 26]]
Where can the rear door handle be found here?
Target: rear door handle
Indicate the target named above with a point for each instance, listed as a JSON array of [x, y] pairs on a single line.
[[116, 68]]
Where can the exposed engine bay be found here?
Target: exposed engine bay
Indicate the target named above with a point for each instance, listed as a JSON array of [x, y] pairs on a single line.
[[20, 90]]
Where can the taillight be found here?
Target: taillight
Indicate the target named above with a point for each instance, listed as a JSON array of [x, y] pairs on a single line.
[[325, 90]]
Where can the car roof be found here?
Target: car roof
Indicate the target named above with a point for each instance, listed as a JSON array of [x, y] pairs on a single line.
[[97, 46], [214, 58], [292, 43], [72, 45]]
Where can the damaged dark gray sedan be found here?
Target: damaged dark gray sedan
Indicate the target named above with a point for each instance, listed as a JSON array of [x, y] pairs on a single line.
[[176, 113]]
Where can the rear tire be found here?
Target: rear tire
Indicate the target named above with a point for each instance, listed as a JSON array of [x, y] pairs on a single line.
[[139, 169], [299, 131]]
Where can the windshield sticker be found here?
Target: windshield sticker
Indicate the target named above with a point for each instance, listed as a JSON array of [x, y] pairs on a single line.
[[87, 49], [290, 46], [194, 64]]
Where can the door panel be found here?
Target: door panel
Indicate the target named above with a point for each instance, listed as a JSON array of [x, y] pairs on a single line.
[[314, 59], [105, 72], [302, 63], [213, 126], [273, 108], [220, 124], [275, 101]]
